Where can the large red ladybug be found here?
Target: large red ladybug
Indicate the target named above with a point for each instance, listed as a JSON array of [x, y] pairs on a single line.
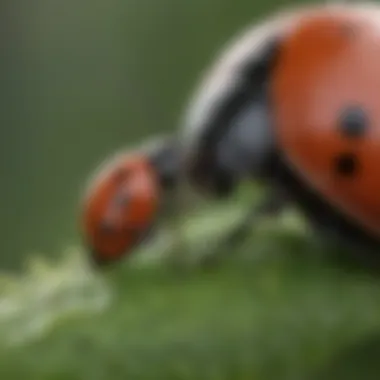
[[124, 198], [295, 103]]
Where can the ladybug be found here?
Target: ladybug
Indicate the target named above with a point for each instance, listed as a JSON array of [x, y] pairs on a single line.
[[290, 103], [124, 198], [294, 103]]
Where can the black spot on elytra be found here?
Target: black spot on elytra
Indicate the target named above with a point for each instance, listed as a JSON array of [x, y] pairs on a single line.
[[353, 122], [346, 165]]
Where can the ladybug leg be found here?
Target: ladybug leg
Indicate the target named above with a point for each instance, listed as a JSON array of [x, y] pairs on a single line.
[[270, 206]]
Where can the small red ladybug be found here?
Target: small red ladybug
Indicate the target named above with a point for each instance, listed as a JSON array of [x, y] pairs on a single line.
[[124, 198], [295, 103]]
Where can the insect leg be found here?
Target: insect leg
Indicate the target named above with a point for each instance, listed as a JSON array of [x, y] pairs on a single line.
[[272, 205]]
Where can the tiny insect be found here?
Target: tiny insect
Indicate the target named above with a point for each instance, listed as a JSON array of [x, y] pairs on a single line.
[[124, 197]]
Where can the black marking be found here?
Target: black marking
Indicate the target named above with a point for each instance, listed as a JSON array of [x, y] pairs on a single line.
[[346, 165], [326, 220], [353, 122]]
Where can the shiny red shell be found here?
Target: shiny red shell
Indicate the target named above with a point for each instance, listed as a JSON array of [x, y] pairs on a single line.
[[120, 207], [328, 71]]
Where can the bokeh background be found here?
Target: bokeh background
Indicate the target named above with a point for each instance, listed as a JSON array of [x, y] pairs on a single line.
[[82, 78]]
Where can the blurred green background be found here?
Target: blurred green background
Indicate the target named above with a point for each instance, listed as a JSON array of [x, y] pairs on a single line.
[[83, 78]]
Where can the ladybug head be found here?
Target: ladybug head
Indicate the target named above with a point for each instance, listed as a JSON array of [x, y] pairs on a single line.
[[120, 207]]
